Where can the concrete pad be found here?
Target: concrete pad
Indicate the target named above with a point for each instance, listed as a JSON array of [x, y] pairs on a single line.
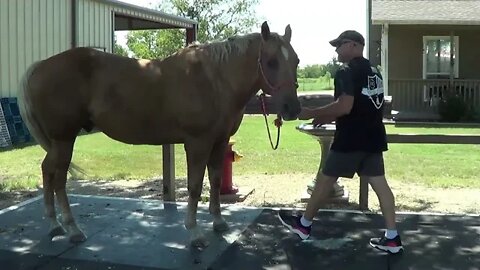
[[340, 241], [122, 232], [148, 234]]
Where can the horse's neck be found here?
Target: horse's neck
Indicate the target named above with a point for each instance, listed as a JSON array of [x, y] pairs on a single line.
[[241, 72]]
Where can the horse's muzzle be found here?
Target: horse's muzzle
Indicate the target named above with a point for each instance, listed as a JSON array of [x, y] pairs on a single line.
[[290, 109]]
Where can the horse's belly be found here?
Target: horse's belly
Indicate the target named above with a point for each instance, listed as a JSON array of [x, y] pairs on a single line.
[[139, 131]]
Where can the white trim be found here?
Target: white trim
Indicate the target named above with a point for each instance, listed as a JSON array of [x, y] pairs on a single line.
[[425, 22], [16, 206], [456, 50], [384, 57]]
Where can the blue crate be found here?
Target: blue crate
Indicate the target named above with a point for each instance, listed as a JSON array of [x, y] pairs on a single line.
[[16, 128], [21, 139], [10, 107]]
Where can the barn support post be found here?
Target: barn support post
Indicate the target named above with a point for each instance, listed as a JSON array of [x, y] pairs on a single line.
[[169, 149]]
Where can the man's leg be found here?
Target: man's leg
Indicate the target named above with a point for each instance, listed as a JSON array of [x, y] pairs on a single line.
[[337, 165], [320, 195], [385, 197], [374, 171]]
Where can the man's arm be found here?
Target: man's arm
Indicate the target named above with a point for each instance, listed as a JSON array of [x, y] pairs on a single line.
[[341, 106]]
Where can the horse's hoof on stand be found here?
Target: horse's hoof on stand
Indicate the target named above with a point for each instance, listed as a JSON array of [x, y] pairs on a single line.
[[220, 226], [77, 238], [57, 231], [200, 242]]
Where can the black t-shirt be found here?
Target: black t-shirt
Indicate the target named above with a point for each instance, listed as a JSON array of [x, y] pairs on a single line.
[[362, 129]]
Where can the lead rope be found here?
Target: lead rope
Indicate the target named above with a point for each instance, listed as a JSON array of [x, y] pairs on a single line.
[[278, 123]]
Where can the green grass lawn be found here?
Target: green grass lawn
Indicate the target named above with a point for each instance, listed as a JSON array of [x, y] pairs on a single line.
[[104, 158], [315, 84]]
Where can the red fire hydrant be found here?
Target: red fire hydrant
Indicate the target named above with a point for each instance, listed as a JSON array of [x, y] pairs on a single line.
[[231, 156]]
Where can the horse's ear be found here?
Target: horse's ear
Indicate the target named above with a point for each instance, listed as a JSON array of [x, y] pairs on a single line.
[[288, 34], [265, 31]]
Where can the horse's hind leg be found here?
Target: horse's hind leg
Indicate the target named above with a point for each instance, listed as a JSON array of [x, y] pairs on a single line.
[[197, 155], [215, 165], [62, 151], [48, 173]]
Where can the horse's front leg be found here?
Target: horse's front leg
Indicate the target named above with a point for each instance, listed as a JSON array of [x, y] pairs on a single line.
[[215, 165], [197, 155]]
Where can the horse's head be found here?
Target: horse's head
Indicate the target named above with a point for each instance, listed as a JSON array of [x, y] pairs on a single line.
[[278, 63]]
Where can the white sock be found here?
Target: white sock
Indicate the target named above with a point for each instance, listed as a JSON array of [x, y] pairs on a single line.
[[305, 222], [390, 234]]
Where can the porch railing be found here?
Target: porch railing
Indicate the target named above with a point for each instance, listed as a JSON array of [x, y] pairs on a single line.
[[423, 96]]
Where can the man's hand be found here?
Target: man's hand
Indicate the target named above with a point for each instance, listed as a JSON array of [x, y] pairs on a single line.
[[318, 121], [305, 114]]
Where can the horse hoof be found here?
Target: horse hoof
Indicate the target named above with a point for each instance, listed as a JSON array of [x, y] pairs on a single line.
[[57, 231], [200, 243], [220, 226], [78, 238]]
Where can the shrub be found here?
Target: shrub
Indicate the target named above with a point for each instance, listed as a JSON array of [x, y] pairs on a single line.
[[452, 109]]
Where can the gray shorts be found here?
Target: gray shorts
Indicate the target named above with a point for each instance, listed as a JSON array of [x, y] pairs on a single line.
[[340, 164]]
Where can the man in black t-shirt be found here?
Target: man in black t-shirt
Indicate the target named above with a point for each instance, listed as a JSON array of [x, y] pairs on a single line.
[[359, 141]]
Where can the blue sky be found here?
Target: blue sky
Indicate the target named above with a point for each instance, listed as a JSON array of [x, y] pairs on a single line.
[[313, 22]]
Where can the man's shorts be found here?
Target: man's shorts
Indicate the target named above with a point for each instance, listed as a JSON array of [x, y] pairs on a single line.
[[340, 164]]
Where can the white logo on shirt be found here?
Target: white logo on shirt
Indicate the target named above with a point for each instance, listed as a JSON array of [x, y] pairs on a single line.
[[373, 90]]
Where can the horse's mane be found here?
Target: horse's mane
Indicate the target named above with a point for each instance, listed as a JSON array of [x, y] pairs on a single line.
[[220, 51]]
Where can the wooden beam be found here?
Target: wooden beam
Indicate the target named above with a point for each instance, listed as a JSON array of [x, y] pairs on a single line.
[[363, 195], [168, 152]]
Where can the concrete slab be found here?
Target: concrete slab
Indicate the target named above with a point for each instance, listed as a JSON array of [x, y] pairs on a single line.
[[147, 234], [120, 232], [340, 241]]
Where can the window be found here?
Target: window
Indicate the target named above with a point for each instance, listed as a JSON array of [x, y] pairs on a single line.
[[438, 64], [436, 57]]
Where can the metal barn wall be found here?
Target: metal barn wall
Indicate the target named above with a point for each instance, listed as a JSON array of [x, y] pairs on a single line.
[[94, 25], [30, 30]]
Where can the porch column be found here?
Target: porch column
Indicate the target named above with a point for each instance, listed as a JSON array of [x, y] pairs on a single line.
[[384, 57], [452, 60]]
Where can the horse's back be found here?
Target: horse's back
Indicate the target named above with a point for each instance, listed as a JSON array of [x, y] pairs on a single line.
[[58, 90]]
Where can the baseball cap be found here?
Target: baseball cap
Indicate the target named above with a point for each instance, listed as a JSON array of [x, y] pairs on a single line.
[[348, 35]]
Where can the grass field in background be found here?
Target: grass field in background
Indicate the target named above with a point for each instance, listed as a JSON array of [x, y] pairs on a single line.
[[315, 84], [104, 158]]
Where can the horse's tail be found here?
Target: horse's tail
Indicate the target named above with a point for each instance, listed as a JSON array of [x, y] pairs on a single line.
[[34, 127], [24, 105]]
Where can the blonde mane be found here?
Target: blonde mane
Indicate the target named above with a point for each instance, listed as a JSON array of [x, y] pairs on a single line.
[[220, 51]]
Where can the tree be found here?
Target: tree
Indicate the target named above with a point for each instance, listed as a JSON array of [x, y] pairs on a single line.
[[333, 66], [150, 44], [119, 49], [217, 19]]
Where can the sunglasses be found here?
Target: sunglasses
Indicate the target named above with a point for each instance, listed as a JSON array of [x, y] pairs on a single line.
[[343, 42]]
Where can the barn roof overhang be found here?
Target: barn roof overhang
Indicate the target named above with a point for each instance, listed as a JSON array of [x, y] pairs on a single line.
[[132, 17]]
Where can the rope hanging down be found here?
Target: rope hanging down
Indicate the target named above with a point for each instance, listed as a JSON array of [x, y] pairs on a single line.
[[278, 123]]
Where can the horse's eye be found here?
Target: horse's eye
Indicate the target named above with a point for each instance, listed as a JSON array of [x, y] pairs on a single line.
[[272, 63]]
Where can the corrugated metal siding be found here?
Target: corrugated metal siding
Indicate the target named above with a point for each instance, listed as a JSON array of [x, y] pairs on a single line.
[[30, 30], [94, 27]]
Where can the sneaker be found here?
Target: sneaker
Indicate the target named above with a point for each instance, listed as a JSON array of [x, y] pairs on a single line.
[[292, 222], [389, 245]]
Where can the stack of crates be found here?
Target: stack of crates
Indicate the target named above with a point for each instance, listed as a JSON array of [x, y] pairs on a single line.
[[17, 130], [4, 135]]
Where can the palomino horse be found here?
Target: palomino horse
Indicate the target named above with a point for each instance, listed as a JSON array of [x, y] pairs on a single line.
[[195, 97]]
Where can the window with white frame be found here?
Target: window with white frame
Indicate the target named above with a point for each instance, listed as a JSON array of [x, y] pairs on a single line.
[[437, 62], [440, 59]]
